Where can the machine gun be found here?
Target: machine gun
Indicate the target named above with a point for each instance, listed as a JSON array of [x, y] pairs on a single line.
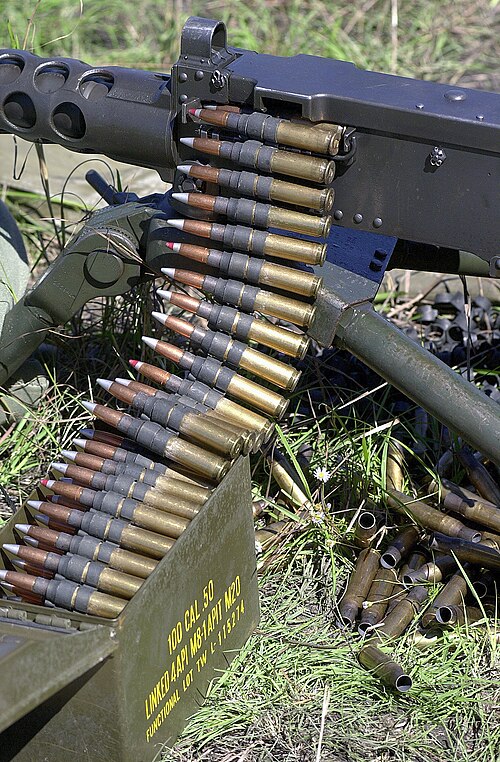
[[412, 173]]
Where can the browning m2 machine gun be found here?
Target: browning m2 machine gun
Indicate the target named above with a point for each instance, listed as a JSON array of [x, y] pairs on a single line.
[[410, 173]]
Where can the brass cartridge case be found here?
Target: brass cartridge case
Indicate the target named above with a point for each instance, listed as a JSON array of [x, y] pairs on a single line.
[[477, 554], [453, 593], [458, 614], [365, 529], [294, 249], [150, 544], [467, 504], [289, 279], [382, 666], [479, 476], [274, 371], [159, 522], [102, 604], [314, 137], [298, 222], [394, 475], [131, 563], [321, 171], [284, 308], [281, 339], [194, 493], [172, 504], [429, 517], [119, 584], [398, 619], [433, 571], [243, 417], [358, 586], [287, 483], [400, 547], [298, 195], [257, 396], [378, 599]]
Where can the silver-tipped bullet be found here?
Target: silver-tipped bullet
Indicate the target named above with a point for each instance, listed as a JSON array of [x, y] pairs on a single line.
[[24, 528], [182, 197], [18, 562], [35, 504], [123, 381], [3, 574], [104, 383], [150, 342], [79, 443], [11, 548], [179, 224], [187, 142], [70, 454], [31, 541], [42, 519], [169, 272], [90, 406], [167, 295], [87, 433], [61, 468], [175, 247], [160, 317], [184, 168]]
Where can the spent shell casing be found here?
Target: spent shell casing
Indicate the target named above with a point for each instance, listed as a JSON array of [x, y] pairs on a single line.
[[394, 473], [213, 373], [288, 480], [104, 527], [258, 241], [400, 547], [460, 500], [432, 571], [253, 270], [479, 476], [365, 529], [256, 155], [211, 397], [246, 327], [246, 297], [260, 186], [384, 668], [358, 586], [453, 593], [476, 554], [157, 439], [178, 418], [398, 619], [304, 135], [233, 352], [379, 596], [429, 517], [485, 582], [255, 213], [458, 614]]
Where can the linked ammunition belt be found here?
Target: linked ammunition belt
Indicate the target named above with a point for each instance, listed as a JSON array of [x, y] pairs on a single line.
[[130, 495]]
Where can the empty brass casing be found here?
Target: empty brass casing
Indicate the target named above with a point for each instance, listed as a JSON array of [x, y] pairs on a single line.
[[458, 614], [398, 619], [299, 195], [382, 666], [400, 547], [119, 584], [102, 604], [289, 279], [257, 396], [299, 222], [378, 599], [274, 371], [285, 308], [321, 171], [196, 459], [479, 476], [359, 584], [295, 249], [365, 529], [288, 484], [429, 517], [467, 504], [394, 475], [433, 571], [293, 344], [453, 593], [316, 138]]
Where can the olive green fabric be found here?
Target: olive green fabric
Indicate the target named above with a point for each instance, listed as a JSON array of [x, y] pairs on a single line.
[[27, 385]]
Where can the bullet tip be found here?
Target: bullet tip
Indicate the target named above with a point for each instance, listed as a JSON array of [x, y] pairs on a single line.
[[169, 272], [44, 482], [179, 224], [35, 504], [59, 467], [167, 295], [3, 574], [90, 406], [135, 363], [24, 528], [187, 142], [169, 244], [69, 454], [160, 317], [150, 342], [80, 443], [11, 548], [42, 519], [104, 383], [49, 483], [123, 381], [185, 168], [87, 433], [31, 541], [194, 111], [182, 197]]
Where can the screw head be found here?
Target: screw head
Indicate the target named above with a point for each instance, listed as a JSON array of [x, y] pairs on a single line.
[[358, 218], [377, 222], [183, 76], [338, 214]]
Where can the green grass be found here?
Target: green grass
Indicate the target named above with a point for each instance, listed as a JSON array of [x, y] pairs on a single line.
[[299, 672]]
